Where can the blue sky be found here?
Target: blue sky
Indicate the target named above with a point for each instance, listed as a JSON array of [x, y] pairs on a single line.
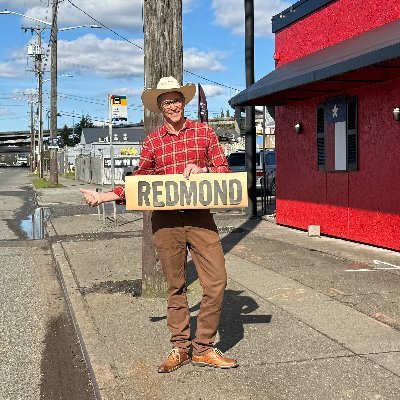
[[103, 61]]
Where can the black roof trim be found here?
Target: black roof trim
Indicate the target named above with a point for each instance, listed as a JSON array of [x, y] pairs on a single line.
[[295, 12], [365, 50]]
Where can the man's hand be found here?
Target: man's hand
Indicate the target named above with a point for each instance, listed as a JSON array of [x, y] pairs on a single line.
[[193, 169], [92, 197]]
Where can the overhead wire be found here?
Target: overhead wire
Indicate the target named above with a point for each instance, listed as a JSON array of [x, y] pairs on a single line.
[[134, 44], [104, 26], [71, 97]]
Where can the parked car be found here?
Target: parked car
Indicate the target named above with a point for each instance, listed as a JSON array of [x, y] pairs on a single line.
[[237, 163], [128, 171]]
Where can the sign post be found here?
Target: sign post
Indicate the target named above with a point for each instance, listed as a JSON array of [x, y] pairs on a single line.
[[110, 138], [117, 111]]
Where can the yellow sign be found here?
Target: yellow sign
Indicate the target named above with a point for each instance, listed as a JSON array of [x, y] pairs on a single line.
[[128, 151], [174, 192]]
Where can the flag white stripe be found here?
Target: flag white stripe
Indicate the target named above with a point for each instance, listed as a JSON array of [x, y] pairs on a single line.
[[340, 146]]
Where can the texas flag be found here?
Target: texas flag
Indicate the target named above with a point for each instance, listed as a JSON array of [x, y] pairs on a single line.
[[335, 137]]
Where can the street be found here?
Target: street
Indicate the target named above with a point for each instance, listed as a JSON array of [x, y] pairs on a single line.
[[40, 352]]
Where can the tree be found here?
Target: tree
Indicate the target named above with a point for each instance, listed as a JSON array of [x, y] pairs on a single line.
[[222, 113], [85, 122], [65, 133], [227, 114], [163, 56]]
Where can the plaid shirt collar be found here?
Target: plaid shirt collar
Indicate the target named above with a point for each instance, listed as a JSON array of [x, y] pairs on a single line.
[[164, 129]]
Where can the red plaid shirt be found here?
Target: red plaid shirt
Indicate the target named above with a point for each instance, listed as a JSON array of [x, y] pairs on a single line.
[[164, 152]]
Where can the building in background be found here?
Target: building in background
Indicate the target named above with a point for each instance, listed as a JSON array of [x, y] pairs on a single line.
[[336, 92], [127, 140]]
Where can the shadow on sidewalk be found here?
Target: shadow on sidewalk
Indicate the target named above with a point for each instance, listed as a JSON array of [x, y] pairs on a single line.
[[235, 315]]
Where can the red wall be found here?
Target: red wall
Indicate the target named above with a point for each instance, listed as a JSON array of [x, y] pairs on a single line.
[[338, 21], [363, 205]]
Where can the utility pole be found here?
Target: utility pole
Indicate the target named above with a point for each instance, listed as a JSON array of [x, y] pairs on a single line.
[[250, 135], [31, 101], [163, 56], [53, 95]]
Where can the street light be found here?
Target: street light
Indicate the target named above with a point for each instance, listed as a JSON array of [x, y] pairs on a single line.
[[53, 79], [59, 76], [7, 12]]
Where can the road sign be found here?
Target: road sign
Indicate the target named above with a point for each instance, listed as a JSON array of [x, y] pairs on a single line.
[[119, 108]]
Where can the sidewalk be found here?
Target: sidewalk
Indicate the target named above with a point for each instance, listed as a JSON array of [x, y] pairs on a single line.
[[307, 318]]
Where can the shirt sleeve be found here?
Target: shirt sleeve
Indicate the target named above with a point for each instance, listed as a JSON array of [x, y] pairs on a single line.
[[120, 192], [217, 161]]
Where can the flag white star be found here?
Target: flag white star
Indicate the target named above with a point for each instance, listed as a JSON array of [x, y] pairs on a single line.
[[334, 111]]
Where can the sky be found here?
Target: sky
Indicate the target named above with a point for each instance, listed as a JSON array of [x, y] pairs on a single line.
[[93, 63]]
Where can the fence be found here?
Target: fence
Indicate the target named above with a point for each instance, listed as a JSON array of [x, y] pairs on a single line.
[[97, 170]]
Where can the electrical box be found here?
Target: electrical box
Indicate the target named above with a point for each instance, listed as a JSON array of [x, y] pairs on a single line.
[[31, 50], [34, 49]]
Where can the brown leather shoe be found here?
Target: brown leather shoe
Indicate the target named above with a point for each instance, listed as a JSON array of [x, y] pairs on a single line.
[[175, 359], [214, 358]]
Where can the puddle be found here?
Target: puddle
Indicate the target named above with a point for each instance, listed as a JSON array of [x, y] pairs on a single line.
[[34, 226]]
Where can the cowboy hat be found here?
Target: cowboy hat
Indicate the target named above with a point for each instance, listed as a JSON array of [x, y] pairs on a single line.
[[165, 85]]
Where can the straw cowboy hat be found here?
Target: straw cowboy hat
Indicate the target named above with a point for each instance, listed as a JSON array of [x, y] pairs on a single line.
[[165, 85]]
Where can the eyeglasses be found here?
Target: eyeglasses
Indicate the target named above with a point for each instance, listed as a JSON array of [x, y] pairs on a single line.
[[170, 103]]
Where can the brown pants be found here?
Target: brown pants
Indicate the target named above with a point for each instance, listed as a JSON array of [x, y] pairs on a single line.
[[175, 232]]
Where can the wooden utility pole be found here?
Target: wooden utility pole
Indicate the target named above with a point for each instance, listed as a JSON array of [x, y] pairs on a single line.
[[53, 95], [163, 56]]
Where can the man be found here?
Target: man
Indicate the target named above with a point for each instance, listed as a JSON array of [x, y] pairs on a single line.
[[183, 147]]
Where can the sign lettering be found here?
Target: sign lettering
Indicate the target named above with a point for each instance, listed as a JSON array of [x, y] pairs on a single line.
[[152, 192]]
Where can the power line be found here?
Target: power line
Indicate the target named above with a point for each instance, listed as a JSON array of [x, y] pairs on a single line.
[[13, 59], [134, 44], [105, 26]]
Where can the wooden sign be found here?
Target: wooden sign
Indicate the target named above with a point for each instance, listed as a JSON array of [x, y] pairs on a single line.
[[174, 192]]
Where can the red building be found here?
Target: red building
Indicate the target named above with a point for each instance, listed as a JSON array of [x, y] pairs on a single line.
[[336, 88]]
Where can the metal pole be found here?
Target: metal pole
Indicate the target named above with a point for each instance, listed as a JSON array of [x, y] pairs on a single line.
[[110, 134], [264, 178], [38, 56], [73, 125], [32, 149], [53, 95], [250, 135]]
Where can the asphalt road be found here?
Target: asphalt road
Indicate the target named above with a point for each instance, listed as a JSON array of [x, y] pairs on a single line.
[[40, 355]]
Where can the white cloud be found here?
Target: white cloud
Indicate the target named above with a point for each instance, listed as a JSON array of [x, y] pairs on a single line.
[[230, 14], [214, 90], [128, 91], [18, 3], [116, 14], [9, 71], [195, 59], [5, 111], [106, 57], [15, 66], [189, 5]]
